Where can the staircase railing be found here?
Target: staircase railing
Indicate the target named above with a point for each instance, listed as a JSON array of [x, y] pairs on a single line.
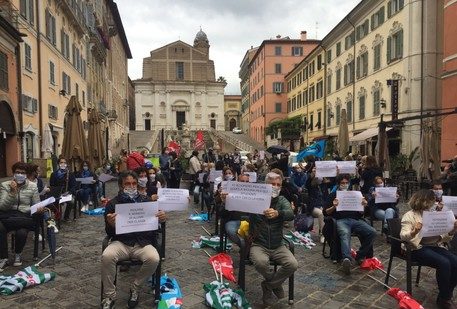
[[231, 140]]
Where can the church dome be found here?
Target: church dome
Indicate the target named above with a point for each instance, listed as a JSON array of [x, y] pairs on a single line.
[[201, 36]]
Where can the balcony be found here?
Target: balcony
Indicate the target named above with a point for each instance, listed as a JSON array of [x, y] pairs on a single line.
[[75, 15], [10, 13], [111, 114]]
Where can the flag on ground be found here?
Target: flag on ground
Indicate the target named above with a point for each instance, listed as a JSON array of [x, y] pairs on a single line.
[[221, 296], [405, 301], [223, 262], [170, 293], [317, 149], [371, 263], [199, 141], [212, 242], [30, 276]]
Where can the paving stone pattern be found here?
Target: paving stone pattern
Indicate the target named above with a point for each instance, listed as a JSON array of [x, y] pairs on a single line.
[[318, 282]]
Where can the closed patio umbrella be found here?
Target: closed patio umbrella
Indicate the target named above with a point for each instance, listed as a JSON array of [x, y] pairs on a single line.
[[382, 156], [47, 144], [95, 138], [429, 150], [74, 140], [343, 135]]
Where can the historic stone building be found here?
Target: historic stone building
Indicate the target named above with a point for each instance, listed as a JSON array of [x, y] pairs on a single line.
[[179, 87], [232, 112]]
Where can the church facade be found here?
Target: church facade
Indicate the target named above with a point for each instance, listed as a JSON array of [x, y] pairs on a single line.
[[179, 89]]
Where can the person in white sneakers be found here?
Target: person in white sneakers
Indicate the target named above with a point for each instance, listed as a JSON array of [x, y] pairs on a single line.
[[16, 197]]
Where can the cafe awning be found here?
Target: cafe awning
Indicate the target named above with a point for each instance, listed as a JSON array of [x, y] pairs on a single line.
[[367, 134]]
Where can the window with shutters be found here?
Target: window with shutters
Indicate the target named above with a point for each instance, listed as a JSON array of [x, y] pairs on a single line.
[[362, 107], [77, 91], [305, 73], [362, 65], [319, 62], [278, 50], [28, 57], [349, 73], [376, 102], [288, 106], [294, 103], [311, 122], [329, 117], [278, 107], [319, 89], [395, 46], [329, 83], [377, 19], [66, 83], [311, 68], [278, 87], [338, 114], [362, 30], [299, 78], [338, 79], [338, 49], [299, 100], [50, 25], [319, 117], [52, 73], [27, 11], [65, 44], [83, 96], [305, 97], [311, 94], [394, 6], [278, 68], [349, 41], [29, 104], [349, 111], [52, 111], [329, 56], [297, 51], [377, 57], [3, 71]]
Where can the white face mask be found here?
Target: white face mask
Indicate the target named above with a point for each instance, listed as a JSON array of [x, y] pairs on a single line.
[[344, 187], [275, 192], [142, 181], [19, 178], [108, 167], [380, 185], [228, 177], [131, 192], [152, 177], [63, 166], [438, 193]]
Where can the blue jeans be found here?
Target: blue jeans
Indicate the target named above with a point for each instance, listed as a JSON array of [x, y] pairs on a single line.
[[231, 228], [445, 264], [384, 215], [84, 194], [364, 232]]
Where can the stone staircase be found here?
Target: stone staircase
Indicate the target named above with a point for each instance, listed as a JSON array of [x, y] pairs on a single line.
[[238, 141], [145, 140]]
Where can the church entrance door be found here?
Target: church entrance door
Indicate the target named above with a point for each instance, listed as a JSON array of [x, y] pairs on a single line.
[[212, 123], [180, 119], [232, 124]]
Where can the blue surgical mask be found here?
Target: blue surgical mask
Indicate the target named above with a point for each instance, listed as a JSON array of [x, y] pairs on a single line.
[[20, 178]]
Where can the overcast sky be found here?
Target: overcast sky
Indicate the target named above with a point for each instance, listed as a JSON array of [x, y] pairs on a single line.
[[232, 26]]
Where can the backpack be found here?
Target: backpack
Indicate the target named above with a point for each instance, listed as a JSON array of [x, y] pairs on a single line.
[[134, 160], [303, 223]]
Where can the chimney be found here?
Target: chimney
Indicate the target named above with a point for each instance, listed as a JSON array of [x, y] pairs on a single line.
[[278, 36], [303, 35]]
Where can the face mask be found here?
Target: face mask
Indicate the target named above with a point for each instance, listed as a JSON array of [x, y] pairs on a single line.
[[63, 166], [142, 181], [152, 177], [275, 192], [131, 192], [108, 167], [86, 168], [344, 187], [438, 193], [380, 185], [19, 178], [228, 177]]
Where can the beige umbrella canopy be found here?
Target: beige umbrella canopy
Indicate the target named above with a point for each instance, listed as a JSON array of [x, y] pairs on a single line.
[[382, 151], [343, 135], [96, 145], [74, 140]]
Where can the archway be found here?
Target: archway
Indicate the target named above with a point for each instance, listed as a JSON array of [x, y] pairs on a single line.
[[7, 133], [232, 124]]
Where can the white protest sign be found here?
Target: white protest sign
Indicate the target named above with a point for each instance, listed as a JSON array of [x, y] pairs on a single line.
[[173, 199], [261, 155], [85, 180], [435, 223], [386, 195], [105, 177], [136, 217], [200, 177], [450, 203], [248, 197], [224, 185], [65, 198], [213, 174], [349, 201], [347, 167], [44, 203], [325, 168], [252, 176]]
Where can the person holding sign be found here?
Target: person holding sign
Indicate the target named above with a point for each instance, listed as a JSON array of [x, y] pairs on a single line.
[[348, 222], [87, 189], [135, 245], [16, 197], [428, 251], [437, 188], [266, 232], [66, 180], [381, 211]]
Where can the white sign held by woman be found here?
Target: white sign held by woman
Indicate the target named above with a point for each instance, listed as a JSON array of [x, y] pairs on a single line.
[[326, 168], [435, 223], [136, 217], [173, 199], [347, 167], [248, 197], [385, 195]]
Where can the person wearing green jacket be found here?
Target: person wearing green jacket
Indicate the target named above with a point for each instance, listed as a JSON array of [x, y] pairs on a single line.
[[266, 232]]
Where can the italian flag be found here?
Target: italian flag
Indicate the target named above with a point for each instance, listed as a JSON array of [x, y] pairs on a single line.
[[30, 276]]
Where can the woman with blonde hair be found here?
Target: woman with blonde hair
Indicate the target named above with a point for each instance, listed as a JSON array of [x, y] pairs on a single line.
[[429, 251]]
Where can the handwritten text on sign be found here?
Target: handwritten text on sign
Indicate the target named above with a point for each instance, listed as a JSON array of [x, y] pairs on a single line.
[[173, 199], [349, 201], [248, 197], [435, 223], [136, 217], [450, 203], [386, 195], [326, 168]]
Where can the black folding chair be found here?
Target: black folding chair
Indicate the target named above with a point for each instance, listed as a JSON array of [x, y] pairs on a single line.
[[39, 226]]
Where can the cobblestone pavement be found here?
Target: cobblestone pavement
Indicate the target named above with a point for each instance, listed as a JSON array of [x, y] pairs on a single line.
[[318, 282]]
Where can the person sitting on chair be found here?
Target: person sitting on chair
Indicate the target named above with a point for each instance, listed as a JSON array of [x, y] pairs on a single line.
[[16, 197], [34, 175], [86, 191], [348, 222], [428, 251], [266, 232], [66, 180], [135, 245], [381, 211]]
